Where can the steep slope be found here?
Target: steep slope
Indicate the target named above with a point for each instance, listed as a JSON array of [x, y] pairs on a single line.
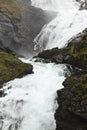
[[11, 67], [19, 25]]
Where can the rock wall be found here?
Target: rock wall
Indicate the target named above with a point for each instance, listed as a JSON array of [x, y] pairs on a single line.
[[19, 25]]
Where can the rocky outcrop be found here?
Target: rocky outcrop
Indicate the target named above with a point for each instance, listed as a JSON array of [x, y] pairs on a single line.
[[54, 55], [72, 99], [19, 25], [72, 111], [83, 4], [11, 67], [74, 54]]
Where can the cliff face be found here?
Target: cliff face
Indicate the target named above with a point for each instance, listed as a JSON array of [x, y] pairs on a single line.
[[72, 111], [72, 99], [19, 25]]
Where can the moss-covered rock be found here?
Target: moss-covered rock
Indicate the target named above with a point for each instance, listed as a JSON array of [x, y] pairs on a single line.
[[73, 104], [78, 50], [11, 67], [74, 54]]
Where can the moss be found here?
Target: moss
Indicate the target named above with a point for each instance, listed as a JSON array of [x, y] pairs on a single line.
[[10, 7], [80, 91], [78, 86], [11, 67], [78, 50]]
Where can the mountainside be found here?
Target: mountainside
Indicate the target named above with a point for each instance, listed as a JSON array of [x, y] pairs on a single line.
[[19, 25], [53, 94]]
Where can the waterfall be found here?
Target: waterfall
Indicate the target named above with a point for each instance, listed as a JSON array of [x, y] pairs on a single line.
[[30, 102], [46, 4], [69, 22]]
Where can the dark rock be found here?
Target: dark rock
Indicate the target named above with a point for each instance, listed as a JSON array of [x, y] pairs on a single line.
[[74, 54], [72, 111], [83, 4], [55, 55], [2, 94]]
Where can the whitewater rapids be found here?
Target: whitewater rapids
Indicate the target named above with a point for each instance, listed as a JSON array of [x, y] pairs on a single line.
[[69, 22], [30, 102]]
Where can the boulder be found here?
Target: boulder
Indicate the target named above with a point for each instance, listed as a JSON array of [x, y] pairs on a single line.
[[74, 54], [11, 67]]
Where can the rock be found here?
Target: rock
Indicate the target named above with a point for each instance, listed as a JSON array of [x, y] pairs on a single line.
[[74, 54], [19, 25], [72, 111], [11, 67], [83, 4], [72, 99], [54, 55]]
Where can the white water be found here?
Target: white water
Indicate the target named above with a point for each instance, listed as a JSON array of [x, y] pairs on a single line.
[[46, 4], [30, 101], [69, 22]]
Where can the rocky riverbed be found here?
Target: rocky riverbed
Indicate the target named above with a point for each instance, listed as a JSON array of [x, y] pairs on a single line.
[[19, 25]]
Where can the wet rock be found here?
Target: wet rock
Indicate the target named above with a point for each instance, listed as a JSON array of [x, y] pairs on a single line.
[[74, 54], [83, 4], [72, 111], [55, 55]]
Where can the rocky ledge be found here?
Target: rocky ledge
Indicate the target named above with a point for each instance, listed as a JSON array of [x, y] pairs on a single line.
[[11, 67], [74, 54], [72, 99]]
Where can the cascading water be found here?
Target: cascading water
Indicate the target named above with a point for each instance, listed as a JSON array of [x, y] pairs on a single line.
[[46, 4], [30, 101], [69, 22]]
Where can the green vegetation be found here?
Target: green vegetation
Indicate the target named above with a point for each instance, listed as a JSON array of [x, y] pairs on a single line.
[[11, 67], [78, 50], [10, 7], [78, 86]]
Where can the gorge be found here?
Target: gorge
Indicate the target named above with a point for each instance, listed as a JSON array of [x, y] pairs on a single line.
[[31, 102]]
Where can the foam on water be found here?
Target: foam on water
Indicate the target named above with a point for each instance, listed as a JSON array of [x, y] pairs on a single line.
[[30, 103], [69, 22]]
